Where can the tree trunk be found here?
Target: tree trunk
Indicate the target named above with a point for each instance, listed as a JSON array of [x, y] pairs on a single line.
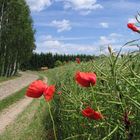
[[3, 63], [1, 20]]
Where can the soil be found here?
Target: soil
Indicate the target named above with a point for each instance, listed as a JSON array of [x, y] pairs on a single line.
[[11, 86], [8, 115]]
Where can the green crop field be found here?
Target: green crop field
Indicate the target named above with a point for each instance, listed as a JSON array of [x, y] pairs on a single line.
[[116, 95]]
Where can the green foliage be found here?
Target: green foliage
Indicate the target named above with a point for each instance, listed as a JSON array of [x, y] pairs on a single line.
[[16, 35], [117, 91], [58, 63], [42, 60]]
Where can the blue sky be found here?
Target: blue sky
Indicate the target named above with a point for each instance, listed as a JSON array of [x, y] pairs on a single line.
[[83, 26]]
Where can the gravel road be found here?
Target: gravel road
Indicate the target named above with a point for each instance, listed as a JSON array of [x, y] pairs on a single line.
[[11, 86], [10, 114]]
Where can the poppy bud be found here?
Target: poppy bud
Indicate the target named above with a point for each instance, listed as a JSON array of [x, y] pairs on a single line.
[[133, 27]]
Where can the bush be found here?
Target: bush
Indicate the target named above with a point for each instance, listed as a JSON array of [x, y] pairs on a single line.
[[58, 63]]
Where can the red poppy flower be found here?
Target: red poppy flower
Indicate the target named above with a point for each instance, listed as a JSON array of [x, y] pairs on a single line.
[[59, 92], [36, 89], [90, 113], [126, 120], [85, 79], [133, 27], [49, 92], [78, 60], [97, 115]]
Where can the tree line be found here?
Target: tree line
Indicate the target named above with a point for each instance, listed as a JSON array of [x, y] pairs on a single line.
[[16, 35], [51, 60]]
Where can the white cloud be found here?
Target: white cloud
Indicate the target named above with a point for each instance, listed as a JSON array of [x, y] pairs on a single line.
[[110, 39], [116, 41], [62, 38], [106, 40], [104, 24], [57, 45], [61, 26], [84, 6], [38, 5], [116, 35], [50, 44]]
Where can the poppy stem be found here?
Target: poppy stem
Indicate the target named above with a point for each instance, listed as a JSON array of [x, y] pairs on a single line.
[[54, 131], [95, 99]]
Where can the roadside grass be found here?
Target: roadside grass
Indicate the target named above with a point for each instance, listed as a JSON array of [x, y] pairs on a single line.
[[12, 99], [3, 79], [6, 102], [30, 125]]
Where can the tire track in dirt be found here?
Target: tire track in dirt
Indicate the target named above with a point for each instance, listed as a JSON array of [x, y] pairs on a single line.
[[9, 87], [10, 114]]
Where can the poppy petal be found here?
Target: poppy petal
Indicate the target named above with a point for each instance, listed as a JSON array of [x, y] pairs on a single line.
[[85, 79], [36, 88], [49, 92], [92, 114]]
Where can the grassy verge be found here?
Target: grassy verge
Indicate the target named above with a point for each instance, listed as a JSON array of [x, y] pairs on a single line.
[[12, 99], [2, 79], [30, 125]]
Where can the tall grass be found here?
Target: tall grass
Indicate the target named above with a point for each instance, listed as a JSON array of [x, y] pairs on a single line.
[[116, 95]]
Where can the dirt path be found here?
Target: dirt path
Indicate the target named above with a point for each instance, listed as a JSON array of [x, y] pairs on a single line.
[[9, 87], [10, 114]]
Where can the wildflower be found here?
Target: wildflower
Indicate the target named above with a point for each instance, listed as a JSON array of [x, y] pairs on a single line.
[[36, 89], [49, 92], [85, 79], [59, 92], [133, 27], [78, 60], [126, 120], [92, 114]]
